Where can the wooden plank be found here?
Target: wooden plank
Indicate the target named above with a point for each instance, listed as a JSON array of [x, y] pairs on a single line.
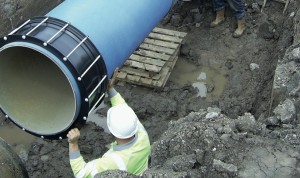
[[122, 75], [174, 62], [161, 74], [133, 78], [169, 32], [152, 68], [157, 48], [147, 60], [165, 37], [135, 64], [156, 76], [153, 54], [159, 83], [143, 66], [166, 79], [146, 81], [164, 75], [130, 70], [173, 56], [161, 43]]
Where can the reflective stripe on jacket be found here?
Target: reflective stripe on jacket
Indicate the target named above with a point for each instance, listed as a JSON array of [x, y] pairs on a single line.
[[131, 157]]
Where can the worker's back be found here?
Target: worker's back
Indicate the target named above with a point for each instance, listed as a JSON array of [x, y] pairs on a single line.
[[134, 155]]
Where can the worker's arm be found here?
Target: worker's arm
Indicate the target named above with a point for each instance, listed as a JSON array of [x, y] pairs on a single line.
[[81, 168], [114, 96], [74, 153]]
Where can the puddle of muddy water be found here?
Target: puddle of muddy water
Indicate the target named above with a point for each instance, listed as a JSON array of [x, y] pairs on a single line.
[[209, 80], [15, 136]]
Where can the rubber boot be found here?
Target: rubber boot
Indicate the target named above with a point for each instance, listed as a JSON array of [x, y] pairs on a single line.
[[220, 17], [240, 29]]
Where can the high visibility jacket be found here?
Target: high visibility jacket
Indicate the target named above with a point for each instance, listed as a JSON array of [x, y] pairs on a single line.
[[131, 157]]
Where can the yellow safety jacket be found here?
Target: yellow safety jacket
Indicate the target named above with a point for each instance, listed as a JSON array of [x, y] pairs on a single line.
[[131, 157]]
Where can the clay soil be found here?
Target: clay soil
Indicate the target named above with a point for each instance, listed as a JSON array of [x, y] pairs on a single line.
[[185, 142]]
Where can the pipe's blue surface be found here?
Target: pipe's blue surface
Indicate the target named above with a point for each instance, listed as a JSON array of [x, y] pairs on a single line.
[[116, 27]]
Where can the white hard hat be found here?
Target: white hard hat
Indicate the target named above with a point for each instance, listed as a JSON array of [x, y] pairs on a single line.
[[122, 121]]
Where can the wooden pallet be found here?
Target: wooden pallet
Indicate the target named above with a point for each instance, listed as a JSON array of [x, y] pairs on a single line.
[[152, 63]]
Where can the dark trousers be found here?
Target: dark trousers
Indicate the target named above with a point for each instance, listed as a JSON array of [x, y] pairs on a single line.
[[236, 5]]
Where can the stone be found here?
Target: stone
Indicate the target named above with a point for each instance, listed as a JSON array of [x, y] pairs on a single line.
[[286, 112], [214, 109], [212, 115], [253, 66], [292, 14], [224, 167], [295, 54], [272, 120], [210, 87], [45, 158], [255, 7], [229, 65]]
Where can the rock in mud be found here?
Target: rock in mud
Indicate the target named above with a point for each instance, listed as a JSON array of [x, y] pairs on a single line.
[[223, 167], [286, 112]]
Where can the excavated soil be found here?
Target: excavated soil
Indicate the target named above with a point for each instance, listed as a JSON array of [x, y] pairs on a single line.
[[232, 131]]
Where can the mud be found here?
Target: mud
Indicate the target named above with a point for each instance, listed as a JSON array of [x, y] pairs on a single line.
[[13, 12], [247, 125], [11, 164]]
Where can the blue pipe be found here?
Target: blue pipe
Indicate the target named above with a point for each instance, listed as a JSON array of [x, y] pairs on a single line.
[[77, 46], [116, 27]]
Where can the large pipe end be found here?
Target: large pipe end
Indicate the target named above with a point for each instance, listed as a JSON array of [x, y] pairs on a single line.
[[51, 76]]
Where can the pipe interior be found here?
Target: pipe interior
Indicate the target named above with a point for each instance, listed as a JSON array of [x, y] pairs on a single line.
[[34, 91]]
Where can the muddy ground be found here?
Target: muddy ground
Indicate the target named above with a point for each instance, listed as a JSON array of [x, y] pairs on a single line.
[[237, 130]]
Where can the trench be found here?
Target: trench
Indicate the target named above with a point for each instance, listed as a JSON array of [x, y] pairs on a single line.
[[185, 73], [248, 91]]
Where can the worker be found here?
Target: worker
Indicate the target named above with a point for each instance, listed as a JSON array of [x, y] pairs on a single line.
[[239, 12], [131, 150]]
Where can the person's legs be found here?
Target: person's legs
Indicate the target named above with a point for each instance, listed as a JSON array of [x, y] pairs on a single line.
[[239, 13], [238, 8], [218, 5], [219, 8]]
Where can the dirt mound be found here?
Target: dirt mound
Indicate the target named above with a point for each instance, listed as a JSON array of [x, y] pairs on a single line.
[[209, 144]]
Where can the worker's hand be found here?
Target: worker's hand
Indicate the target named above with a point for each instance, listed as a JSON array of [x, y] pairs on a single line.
[[73, 135], [112, 81]]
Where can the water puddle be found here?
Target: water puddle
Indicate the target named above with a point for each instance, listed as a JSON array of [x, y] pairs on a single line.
[[14, 136], [209, 80]]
